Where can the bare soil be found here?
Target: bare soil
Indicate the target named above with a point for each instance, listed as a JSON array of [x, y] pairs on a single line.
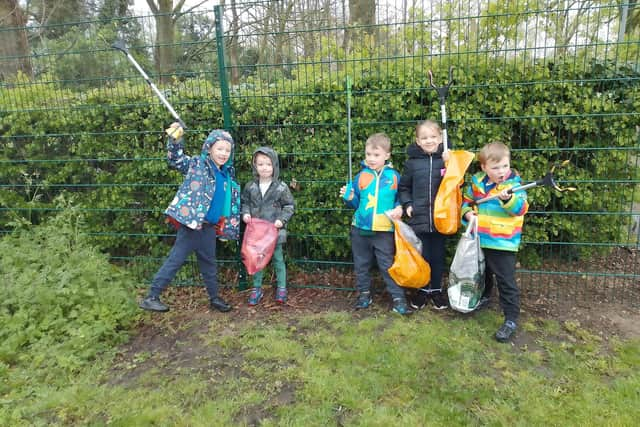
[[609, 310]]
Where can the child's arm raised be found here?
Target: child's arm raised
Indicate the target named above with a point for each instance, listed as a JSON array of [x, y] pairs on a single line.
[[176, 157]]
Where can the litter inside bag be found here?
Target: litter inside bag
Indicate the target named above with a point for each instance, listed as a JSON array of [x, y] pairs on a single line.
[[466, 275], [258, 244], [409, 269]]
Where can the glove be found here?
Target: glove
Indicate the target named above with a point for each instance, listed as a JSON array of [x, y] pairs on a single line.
[[175, 131]]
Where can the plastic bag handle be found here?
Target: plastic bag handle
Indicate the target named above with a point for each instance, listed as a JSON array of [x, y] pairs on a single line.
[[472, 227]]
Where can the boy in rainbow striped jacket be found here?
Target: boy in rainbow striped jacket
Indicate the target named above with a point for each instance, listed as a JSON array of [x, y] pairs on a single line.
[[499, 228]]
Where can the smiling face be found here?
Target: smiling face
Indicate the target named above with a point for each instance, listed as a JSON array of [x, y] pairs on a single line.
[[428, 138], [220, 152], [264, 166], [497, 170], [375, 157]]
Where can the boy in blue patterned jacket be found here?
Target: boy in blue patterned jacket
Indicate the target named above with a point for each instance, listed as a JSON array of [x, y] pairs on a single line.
[[197, 207], [499, 228], [373, 191]]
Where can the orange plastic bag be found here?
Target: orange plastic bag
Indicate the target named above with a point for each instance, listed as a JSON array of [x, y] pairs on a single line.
[[446, 210], [409, 269], [258, 244]]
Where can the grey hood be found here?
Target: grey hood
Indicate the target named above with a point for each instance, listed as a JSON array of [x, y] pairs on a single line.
[[269, 152]]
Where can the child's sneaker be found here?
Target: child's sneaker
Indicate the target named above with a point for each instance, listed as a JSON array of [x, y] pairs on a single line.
[[420, 299], [364, 300], [506, 331], [281, 295], [440, 300], [400, 306], [256, 296]]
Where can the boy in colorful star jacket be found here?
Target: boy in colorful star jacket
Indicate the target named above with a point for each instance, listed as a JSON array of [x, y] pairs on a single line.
[[373, 191], [499, 228], [197, 207]]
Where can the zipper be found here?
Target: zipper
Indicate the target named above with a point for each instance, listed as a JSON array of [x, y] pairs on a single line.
[[430, 199]]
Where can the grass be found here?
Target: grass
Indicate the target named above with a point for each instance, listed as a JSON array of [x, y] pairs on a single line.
[[337, 368]]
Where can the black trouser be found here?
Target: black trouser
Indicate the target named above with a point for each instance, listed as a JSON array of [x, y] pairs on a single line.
[[378, 247], [433, 251], [502, 264]]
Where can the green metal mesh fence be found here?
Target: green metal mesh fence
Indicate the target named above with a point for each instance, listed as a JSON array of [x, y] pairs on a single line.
[[554, 80]]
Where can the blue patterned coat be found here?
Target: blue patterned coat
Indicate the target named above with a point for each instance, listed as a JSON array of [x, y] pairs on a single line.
[[193, 199]]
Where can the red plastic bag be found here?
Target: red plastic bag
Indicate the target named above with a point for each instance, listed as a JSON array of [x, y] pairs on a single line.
[[258, 244]]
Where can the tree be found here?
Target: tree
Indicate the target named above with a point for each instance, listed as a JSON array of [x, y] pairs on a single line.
[[14, 40], [362, 13], [166, 15]]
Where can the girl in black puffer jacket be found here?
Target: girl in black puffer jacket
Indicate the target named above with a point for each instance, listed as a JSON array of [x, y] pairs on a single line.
[[423, 173]]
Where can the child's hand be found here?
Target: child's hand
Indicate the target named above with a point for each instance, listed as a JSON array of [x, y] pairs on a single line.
[[445, 156], [469, 215], [504, 195], [343, 190], [278, 223], [246, 218], [175, 131], [396, 213], [410, 211]]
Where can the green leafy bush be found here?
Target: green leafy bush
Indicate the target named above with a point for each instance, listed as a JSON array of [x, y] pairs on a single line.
[[62, 302], [110, 151]]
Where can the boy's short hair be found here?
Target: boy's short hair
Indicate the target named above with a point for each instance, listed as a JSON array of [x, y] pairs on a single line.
[[493, 151], [429, 124], [379, 140]]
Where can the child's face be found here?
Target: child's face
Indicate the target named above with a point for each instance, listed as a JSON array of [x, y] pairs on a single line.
[[428, 138], [375, 157], [220, 152], [497, 171], [264, 167]]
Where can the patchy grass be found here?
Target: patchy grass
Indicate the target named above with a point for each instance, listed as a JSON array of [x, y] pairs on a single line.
[[345, 368]]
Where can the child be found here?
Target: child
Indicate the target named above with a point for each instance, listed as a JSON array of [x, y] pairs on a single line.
[[197, 207], [372, 192], [423, 173], [499, 227], [266, 197]]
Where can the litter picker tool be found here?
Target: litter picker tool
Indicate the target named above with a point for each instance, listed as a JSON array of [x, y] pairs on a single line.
[[349, 125], [443, 92], [547, 181], [119, 45], [446, 210]]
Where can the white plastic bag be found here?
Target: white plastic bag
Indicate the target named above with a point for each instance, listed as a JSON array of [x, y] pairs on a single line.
[[466, 275]]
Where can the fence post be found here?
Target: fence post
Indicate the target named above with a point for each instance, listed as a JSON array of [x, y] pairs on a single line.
[[226, 116], [222, 73]]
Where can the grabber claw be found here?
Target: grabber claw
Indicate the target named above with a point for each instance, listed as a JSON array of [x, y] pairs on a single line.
[[547, 181]]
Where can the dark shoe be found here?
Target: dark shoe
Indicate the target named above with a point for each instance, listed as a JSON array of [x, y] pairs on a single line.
[[218, 303], [440, 300], [483, 303], [153, 304], [364, 300], [400, 307], [420, 299], [506, 331]]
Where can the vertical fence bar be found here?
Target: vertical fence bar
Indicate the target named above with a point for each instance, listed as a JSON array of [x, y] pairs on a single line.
[[222, 73], [227, 119]]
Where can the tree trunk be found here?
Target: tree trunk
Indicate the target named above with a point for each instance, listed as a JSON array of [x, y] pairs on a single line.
[[14, 42], [165, 62], [234, 49], [361, 13]]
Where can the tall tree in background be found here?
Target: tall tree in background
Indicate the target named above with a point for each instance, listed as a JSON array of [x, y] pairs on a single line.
[[14, 40], [165, 14], [362, 13]]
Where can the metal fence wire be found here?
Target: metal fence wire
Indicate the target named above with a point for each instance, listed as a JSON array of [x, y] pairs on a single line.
[[555, 80]]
